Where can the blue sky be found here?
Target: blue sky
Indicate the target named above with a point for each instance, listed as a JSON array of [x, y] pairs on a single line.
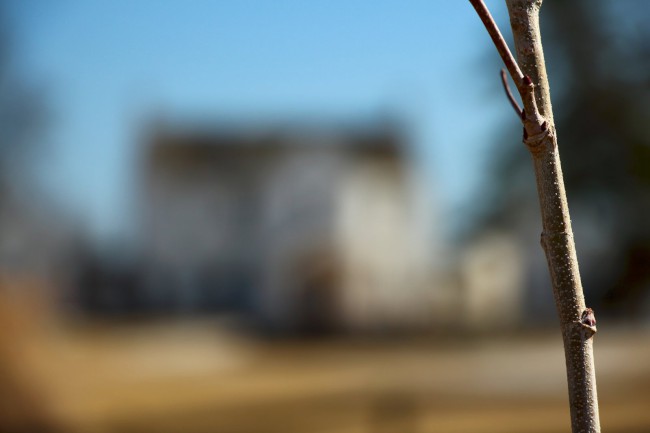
[[107, 64]]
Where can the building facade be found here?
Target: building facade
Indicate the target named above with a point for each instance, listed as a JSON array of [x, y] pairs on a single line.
[[311, 229]]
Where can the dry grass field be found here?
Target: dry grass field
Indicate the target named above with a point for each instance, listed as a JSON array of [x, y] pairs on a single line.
[[195, 377]]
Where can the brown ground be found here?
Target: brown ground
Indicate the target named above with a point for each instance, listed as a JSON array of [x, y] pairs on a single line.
[[194, 377]]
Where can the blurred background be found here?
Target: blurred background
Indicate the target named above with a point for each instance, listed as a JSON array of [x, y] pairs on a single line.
[[315, 216]]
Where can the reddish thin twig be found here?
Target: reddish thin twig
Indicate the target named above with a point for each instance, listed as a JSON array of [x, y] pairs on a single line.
[[499, 42], [533, 119], [511, 98]]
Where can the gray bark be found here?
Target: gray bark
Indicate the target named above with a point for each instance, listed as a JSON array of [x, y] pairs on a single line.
[[576, 321]]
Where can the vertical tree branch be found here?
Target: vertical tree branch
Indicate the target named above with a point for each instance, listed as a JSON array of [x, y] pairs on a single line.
[[576, 320], [524, 20]]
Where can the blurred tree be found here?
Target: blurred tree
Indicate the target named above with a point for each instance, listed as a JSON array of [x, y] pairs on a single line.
[[22, 115], [599, 54], [22, 111]]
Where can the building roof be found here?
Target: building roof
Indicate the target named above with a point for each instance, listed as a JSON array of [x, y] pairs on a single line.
[[173, 139]]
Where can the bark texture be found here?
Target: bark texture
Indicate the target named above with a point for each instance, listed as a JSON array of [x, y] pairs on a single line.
[[577, 322], [557, 235]]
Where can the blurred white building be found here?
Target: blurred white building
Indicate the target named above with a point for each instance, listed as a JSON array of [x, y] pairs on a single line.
[[311, 228], [492, 271], [38, 245]]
